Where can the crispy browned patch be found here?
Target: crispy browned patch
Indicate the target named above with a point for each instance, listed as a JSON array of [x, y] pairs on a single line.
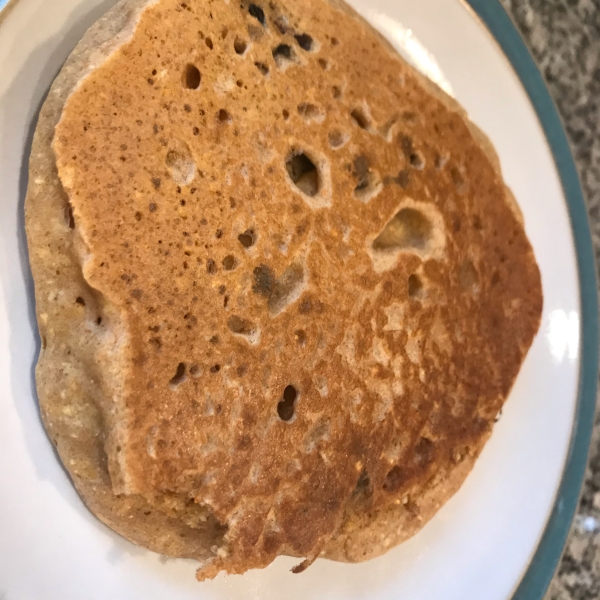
[[281, 288]]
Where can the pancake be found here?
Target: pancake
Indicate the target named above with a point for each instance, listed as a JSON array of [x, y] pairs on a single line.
[[282, 289]]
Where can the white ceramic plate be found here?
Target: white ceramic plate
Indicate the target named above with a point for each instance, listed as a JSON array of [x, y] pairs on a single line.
[[480, 544]]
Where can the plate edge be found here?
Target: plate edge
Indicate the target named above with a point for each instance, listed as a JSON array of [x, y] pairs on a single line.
[[544, 562], [5, 7]]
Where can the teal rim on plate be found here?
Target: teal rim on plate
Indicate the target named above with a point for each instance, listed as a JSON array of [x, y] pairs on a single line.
[[542, 567]]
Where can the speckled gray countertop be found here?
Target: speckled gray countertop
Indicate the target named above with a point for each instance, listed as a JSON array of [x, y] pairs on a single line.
[[564, 36]]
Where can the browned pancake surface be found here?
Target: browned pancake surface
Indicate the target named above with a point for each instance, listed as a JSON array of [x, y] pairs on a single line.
[[300, 292]]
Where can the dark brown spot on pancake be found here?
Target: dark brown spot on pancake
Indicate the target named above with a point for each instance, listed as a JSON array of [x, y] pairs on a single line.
[[286, 406], [303, 173], [263, 280], [191, 77], [304, 41]]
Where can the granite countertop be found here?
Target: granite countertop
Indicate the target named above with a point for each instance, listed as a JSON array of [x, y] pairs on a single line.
[[564, 36]]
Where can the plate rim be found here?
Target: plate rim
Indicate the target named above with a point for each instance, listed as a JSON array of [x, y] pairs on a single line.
[[544, 562], [543, 565]]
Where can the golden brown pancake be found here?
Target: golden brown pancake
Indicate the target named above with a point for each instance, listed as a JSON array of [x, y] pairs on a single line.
[[282, 289]]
